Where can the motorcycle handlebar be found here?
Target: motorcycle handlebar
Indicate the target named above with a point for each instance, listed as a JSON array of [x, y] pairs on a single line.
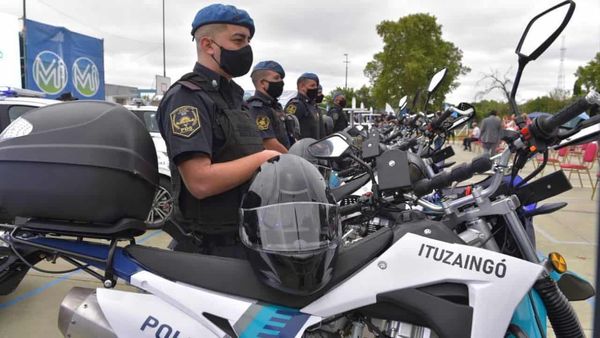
[[350, 208], [548, 125], [459, 173], [405, 145], [437, 122]]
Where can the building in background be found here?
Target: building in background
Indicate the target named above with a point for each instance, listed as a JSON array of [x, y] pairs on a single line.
[[120, 94]]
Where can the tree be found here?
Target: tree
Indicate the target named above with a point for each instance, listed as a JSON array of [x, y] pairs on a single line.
[[588, 77], [495, 82], [482, 108], [362, 95], [547, 104], [413, 51]]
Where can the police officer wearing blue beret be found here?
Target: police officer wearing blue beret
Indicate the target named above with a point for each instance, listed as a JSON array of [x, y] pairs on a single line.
[[213, 144], [303, 105], [267, 77]]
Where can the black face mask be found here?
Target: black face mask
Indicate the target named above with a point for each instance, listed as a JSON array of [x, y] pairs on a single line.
[[342, 103], [312, 93], [275, 89], [319, 98], [235, 62]]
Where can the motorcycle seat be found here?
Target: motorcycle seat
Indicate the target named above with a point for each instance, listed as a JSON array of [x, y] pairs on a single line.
[[236, 277]]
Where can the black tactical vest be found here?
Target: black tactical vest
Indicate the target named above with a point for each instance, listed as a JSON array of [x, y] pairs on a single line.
[[279, 126], [219, 213]]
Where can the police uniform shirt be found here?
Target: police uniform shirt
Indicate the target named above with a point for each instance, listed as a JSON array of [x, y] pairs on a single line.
[[307, 115], [340, 121], [264, 110], [186, 121]]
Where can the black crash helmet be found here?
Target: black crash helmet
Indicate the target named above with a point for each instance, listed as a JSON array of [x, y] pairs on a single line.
[[300, 148], [416, 167], [290, 226]]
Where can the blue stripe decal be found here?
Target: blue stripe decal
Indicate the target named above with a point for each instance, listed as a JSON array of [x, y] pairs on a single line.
[[64, 277], [275, 321], [36, 291]]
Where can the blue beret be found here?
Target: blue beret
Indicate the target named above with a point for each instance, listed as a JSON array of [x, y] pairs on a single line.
[[310, 76], [269, 65], [337, 94], [219, 13]]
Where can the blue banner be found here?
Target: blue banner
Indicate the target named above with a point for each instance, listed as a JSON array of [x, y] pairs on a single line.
[[59, 61]]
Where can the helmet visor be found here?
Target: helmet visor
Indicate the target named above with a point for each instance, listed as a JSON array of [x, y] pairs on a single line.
[[290, 227]]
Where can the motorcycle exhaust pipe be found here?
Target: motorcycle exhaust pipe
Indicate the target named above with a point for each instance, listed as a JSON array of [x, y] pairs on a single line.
[[81, 316]]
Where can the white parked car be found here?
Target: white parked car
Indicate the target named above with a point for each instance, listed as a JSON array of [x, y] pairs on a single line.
[[162, 206]]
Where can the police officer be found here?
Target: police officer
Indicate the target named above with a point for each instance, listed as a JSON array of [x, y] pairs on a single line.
[[337, 113], [267, 77], [302, 106], [213, 145], [325, 122]]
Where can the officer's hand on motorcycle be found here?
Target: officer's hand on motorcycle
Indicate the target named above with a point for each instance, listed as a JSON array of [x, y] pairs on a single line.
[[268, 154]]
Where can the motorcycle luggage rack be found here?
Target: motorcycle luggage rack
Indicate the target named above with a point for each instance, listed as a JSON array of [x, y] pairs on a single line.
[[72, 230]]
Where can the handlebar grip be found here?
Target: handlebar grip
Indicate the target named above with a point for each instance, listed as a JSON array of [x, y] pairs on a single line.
[[548, 125], [408, 144], [392, 136], [350, 208], [347, 172], [461, 172], [441, 180], [436, 124], [481, 164], [422, 187]]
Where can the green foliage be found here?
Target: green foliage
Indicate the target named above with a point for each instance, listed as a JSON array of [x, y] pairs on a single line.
[[413, 51], [546, 104], [482, 108], [588, 76], [362, 95]]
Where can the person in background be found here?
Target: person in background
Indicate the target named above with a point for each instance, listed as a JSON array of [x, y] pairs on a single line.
[[475, 133], [267, 77], [325, 122], [303, 105], [491, 131], [337, 113]]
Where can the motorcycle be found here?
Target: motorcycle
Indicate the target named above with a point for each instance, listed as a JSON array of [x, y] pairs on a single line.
[[414, 271]]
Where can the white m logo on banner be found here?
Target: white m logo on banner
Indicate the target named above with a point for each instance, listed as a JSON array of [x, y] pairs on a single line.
[[86, 78], [49, 72]]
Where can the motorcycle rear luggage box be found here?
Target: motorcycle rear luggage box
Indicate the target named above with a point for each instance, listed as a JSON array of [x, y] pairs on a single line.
[[85, 161]]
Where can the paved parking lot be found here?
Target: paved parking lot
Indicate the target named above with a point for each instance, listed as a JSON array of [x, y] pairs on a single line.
[[32, 310]]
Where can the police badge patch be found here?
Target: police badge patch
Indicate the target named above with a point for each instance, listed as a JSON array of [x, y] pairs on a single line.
[[262, 122], [291, 109], [185, 121]]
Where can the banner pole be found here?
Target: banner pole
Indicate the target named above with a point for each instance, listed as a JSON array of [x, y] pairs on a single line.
[[24, 58]]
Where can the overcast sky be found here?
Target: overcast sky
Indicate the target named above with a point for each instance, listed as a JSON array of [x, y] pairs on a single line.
[[314, 35]]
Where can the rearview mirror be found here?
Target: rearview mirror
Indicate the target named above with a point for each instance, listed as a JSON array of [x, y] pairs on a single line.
[[329, 148], [535, 39], [402, 103], [436, 80], [459, 119]]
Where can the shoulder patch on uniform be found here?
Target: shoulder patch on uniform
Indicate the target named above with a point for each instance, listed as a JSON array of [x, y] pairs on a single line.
[[291, 109], [185, 121], [255, 103], [262, 122]]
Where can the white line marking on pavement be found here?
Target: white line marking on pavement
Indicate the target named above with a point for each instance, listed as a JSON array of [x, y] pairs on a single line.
[[556, 241]]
